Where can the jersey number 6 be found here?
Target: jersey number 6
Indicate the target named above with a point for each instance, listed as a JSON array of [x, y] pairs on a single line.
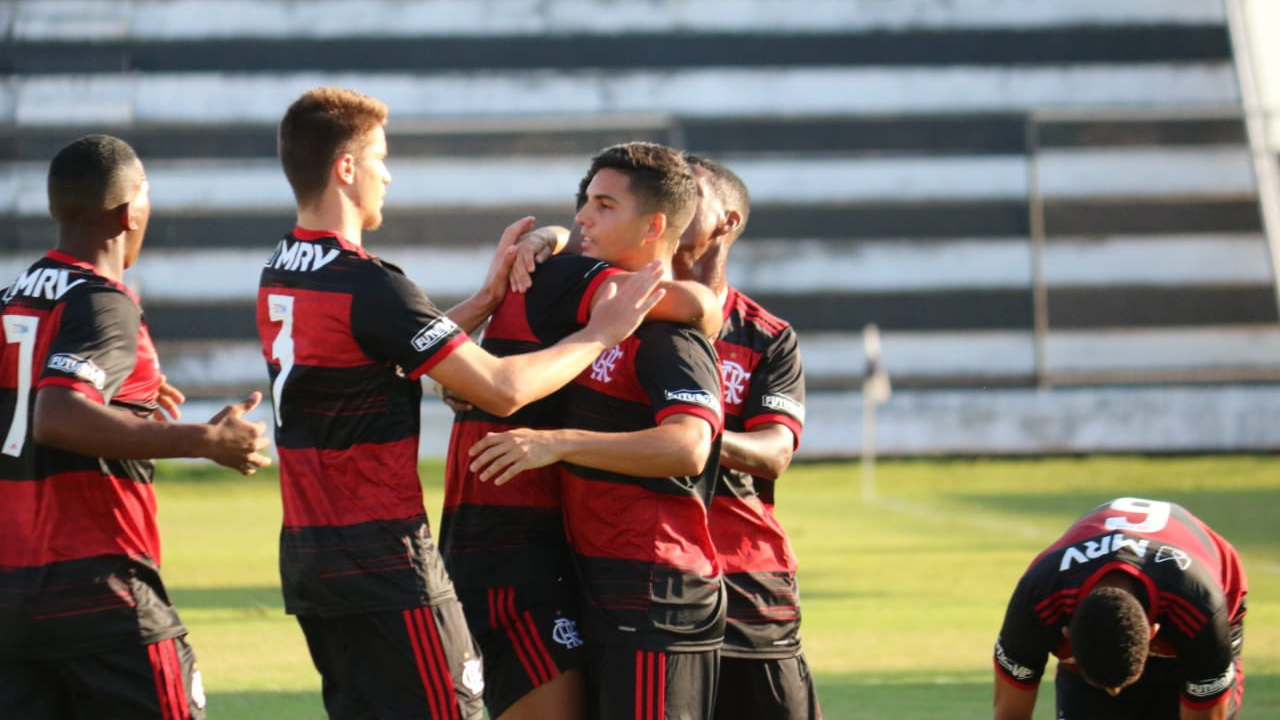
[[1155, 512]]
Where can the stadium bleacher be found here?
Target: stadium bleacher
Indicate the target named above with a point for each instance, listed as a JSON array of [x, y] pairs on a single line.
[[902, 156]]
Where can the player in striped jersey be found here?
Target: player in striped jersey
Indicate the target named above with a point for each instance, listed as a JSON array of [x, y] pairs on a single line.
[[1143, 605], [346, 337], [86, 626], [763, 417]]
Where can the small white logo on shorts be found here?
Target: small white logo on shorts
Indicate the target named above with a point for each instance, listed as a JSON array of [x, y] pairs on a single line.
[[197, 690], [473, 676], [566, 633]]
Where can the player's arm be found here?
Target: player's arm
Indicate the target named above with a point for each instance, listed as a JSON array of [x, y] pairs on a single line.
[[679, 445], [1013, 702], [475, 310], [764, 451], [1217, 712], [685, 302], [503, 385], [67, 419]]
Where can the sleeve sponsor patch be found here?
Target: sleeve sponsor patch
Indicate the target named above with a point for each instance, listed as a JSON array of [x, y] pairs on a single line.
[[784, 404], [432, 333], [695, 397], [76, 366], [1212, 686], [1016, 671]]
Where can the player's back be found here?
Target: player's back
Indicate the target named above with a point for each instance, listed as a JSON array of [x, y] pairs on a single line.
[[79, 545], [346, 337]]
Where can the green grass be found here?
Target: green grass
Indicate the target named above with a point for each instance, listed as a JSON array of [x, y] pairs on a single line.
[[902, 596]]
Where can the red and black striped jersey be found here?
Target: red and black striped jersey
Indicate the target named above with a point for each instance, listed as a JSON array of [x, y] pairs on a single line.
[[346, 337], [1194, 583], [763, 383], [641, 544], [512, 534], [79, 546]]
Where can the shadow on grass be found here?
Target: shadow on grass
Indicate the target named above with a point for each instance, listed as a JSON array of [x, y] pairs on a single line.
[[1246, 518], [221, 598]]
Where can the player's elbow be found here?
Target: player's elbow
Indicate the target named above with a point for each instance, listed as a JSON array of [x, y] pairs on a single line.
[[502, 400], [694, 450], [50, 424], [775, 463]]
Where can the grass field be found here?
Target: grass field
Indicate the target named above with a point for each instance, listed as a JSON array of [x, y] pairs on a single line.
[[902, 595]]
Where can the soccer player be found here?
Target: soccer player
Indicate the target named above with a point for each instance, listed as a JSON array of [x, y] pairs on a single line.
[[1143, 604], [504, 546], [86, 626], [763, 416], [346, 337], [639, 445]]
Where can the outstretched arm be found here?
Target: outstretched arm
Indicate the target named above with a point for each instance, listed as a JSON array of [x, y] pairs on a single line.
[[680, 445], [475, 310], [503, 385], [68, 420]]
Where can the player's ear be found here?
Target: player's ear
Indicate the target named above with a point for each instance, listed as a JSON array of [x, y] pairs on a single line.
[[656, 227], [1155, 628], [344, 169], [729, 223]]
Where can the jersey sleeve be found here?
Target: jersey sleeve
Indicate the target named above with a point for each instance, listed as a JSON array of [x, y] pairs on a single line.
[[776, 394], [1023, 646], [394, 321], [676, 366], [95, 346], [1208, 663], [559, 302]]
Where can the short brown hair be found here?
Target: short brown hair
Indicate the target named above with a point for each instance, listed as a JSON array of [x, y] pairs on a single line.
[[658, 176], [318, 127], [92, 174]]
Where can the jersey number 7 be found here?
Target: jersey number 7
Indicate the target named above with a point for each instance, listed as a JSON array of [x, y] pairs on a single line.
[[280, 309]]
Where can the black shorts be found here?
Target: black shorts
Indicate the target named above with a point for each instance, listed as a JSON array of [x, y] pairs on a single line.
[[528, 635], [768, 689], [415, 663], [1078, 700], [159, 680], [626, 684]]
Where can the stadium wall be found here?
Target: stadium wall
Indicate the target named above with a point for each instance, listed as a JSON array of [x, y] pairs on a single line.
[[904, 158]]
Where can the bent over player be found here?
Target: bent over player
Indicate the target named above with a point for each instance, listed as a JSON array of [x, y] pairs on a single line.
[[1143, 604], [763, 416], [86, 626], [346, 337]]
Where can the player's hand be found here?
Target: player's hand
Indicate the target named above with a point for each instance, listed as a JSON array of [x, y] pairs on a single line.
[[169, 398], [235, 442], [456, 402], [496, 279], [532, 249], [501, 456], [624, 305]]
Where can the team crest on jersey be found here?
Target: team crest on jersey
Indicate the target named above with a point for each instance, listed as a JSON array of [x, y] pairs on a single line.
[[697, 397], [1167, 554], [79, 367], [785, 404], [735, 378], [473, 676], [565, 632], [603, 368], [433, 332]]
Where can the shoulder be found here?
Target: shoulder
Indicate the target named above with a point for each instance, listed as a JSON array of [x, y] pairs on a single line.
[[755, 315]]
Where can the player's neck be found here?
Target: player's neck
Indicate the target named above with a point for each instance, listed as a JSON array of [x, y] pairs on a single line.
[[1126, 582], [106, 255], [333, 217]]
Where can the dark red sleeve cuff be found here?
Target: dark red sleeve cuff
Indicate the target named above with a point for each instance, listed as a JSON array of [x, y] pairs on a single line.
[[79, 386], [584, 307], [445, 351], [697, 411]]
